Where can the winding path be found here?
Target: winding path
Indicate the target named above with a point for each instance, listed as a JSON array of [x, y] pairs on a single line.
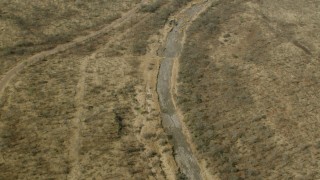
[[185, 159], [183, 154], [8, 76]]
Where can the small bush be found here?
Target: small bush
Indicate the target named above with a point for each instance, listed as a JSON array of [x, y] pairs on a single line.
[[149, 135], [140, 47]]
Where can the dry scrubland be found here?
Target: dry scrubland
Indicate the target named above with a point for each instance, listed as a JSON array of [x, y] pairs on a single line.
[[89, 112], [249, 89], [27, 27]]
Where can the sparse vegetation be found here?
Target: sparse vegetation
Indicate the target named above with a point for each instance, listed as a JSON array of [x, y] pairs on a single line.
[[238, 93], [248, 87], [30, 27], [161, 12], [152, 7], [106, 120], [108, 143], [37, 119]]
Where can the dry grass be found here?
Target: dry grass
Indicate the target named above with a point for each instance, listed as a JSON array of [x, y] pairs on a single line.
[[161, 11], [35, 133], [249, 89], [30, 27], [120, 135], [35, 116], [249, 94]]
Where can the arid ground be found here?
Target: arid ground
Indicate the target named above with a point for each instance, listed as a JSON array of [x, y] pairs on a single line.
[[159, 89]]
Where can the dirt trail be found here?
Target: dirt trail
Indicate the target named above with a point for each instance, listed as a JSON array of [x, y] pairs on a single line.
[[60, 48], [75, 141], [76, 124], [183, 154]]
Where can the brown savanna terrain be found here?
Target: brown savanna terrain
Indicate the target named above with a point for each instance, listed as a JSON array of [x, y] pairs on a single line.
[[88, 111], [79, 89], [249, 89], [28, 27]]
